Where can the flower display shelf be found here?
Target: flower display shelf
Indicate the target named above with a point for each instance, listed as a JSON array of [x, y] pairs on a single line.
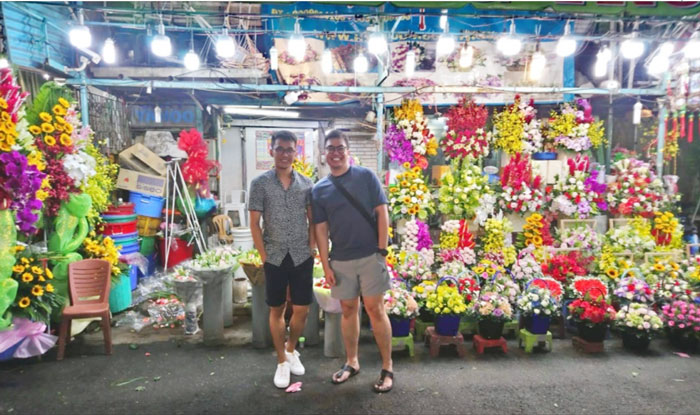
[[532, 340], [402, 343], [480, 344], [675, 255], [435, 341], [566, 223], [586, 346]]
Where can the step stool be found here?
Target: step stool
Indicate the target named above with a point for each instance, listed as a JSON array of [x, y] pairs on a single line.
[[511, 326], [420, 327], [468, 327], [531, 340], [435, 341], [402, 343], [587, 347], [481, 343]]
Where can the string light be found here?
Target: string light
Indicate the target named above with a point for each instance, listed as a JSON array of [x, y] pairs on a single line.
[[410, 63], [296, 47], [509, 45], [327, 61], [109, 52], [566, 46], [273, 58]]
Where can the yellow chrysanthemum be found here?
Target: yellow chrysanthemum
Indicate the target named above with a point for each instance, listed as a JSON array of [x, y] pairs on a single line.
[[60, 120], [59, 110], [27, 277], [58, 127], [35, 130], [5, 147], [5, 117], [49, 288], [64, 102], [47, 128], [612, 273], [68, 128], [24, 302], [659, 267], [45, 117], [66, 140], [41, 195], [50, 140]]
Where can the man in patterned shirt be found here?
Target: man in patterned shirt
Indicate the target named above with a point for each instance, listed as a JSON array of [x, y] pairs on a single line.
[[282, 197]]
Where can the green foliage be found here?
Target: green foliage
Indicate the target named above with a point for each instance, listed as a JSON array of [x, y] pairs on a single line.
[[48, 95]]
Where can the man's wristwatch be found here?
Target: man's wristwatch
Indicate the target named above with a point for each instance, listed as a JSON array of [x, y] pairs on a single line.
[[383, 252]]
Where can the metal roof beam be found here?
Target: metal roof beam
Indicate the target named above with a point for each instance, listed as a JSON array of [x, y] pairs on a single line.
[[166, 72]]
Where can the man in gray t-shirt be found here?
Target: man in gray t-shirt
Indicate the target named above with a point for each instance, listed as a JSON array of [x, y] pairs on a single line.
[[357, 263]]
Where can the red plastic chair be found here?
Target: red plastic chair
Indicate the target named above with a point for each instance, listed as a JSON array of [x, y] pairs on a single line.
[[88, 282]]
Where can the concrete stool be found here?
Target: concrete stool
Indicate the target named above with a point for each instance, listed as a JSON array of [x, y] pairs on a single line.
[[531, 340], [587, 347], [261, 318], [311, 329], [468, 327], [332, 336], [435, 341], [401, 343], [420, 327], [481, 343]]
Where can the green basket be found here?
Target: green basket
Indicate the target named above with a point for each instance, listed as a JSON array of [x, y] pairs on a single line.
[[148, 245], [119, 219]]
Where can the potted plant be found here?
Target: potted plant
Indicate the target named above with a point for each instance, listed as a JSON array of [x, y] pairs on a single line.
[[682, 320], [492, 311], [448, 306], [592, 315], [638, 323], [401, 307], [537, 305]]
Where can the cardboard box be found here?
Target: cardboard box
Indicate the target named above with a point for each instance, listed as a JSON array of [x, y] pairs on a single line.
[[139, 158], [141, 182]]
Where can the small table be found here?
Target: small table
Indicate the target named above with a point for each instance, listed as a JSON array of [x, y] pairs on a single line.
[[481, 343], [435, 341], [531, 340], [401, 343], [586, 346]]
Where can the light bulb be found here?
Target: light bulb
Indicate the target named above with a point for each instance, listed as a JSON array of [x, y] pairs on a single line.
[[509, 45], [601, 64], [4, 63], [632, 47], [46, 76], [445, 45], [297, 47], [225, 46], [466, 56], [566, 46], [443, 19], [537, 64], [160, 45], [377, 44], [410, 63], [360, 64], [667, 48], [658, 64], [191, 60], [692, 48], [109, 53], [327, 61], [273, 58], [80, 36], [637, 113], [157, 114]]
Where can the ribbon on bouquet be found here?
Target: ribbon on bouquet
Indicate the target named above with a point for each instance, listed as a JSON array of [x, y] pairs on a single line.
[[31, 336]]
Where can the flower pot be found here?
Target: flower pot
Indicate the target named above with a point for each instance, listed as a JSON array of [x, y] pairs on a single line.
[[400, 327], [447, 324], [490, 330], [537, 324], [595, 333], [682, 339], [544, 155], [635, 342]]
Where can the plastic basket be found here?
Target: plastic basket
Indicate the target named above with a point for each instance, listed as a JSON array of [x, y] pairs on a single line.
[[129, 249], [179, 251], [147, 205], [115, 229], [123, 209], [118, 218], [148, 226], [120, 295], [148, 245]]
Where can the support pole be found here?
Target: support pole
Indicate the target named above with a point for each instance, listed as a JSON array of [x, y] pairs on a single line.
[[84, 100], [380, 132], [660, 139]]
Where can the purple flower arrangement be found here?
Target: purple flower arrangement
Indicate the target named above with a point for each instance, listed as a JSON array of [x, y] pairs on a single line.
[[398, 148], [21, 181]]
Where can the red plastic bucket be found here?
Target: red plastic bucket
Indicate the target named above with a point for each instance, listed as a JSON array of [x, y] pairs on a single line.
[[123, 209], [179, 251], [118, 228]]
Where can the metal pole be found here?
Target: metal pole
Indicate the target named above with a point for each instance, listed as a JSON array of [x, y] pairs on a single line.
[[380, 132], [84, 100], [660, 139]]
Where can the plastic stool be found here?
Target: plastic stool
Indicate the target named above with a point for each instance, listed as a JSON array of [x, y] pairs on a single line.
[[531, 340], [511, 326], [481, 343], [435, 341], [420, 327], [587, 347], [402, 343], [468, 327]]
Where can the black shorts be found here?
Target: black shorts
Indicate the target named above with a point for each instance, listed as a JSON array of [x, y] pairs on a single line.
[[299, 279]]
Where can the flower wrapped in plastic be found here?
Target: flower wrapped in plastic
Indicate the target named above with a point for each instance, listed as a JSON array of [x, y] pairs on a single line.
[[409, 196], [415, 236], [466, 135], [497, 229], [636, 190], [574, 127], [581, 237], [521, 189], [509, 128], [464, 191], [578, 193]]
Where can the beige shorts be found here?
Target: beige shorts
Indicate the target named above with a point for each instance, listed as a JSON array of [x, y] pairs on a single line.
[[366, 276]]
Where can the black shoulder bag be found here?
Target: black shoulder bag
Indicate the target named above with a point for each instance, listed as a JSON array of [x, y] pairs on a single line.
[[355, 204]]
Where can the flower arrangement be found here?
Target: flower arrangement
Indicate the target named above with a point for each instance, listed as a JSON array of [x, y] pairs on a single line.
[[564, 267], [552, 285], [496, 228], [101, 184], [526, 267], [415, 236], [575, 129], [509, 128], [521, 189], [409, 196], [502, 284], [422, 290], [465, 192], [409, 140], [469, 288], [197, 167], [486, 269], [454, 269], [22, 184], [661, 269], [681, 315], [465, 256], [415, 266], [591, 311], [537, 301], [637, 318], [578, 194], [182, 274], [581, 237], [305, 168], [532, 138], [492, 307], [535, 232], [466, 136], [609, 266], [399, 303], [632, 289], [671, 290], [636, 189], [446, 300], [219, 258], [251, 256], [633, 237], [36, 297], [691, 270], [103, 247], [582, 286], [667, 231]]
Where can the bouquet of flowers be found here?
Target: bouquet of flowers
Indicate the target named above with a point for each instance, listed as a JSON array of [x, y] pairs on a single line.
[[415, 266], [526, 267], [581, 237], [493, 307], [486, 269], [636, 189], [591, 310], [509, 128], [575, 129], [578, 194], [466, 136], [691, 270], [638, 319], [550, 284], [564, 267], [410, 139], [634, 237], [535, 232], [537, 301], [667, 231], [681, 315], [454, 269], [455, 234], [497, 228], [469, 288], [465, 192], [632, 289], [182, 274], [251, 256], [100, 185], [35, 298], [661, 269], [399, 303], [464, 256], [609, 266], [446, 300], [219, 258], [304, 168], [502, 284], [415, 236], [102, 247], [521, 190], [409, 196], [532, 138], [671, 290], [422, 291], [582, 286]]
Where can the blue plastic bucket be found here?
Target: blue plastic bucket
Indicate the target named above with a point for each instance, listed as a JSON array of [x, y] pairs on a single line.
[[544, 155], [129, 248], [400, 327], [147, 205], [537, 324], [447, 324]]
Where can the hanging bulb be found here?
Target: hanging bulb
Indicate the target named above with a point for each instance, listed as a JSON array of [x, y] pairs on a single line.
[[157, 114], [327, 61], [537, 64], [225, 46], [191, 60], [466, 56], [603, 57], [109, 52], [443, 19], [509, 45], [273, 58], [377, 44], [360, 64], [296, 46], [566, 46], [658, 65], [160, 45], [632, 47], [445, 45], [80, 35], [410, 63], [692, 48], [637, 113]]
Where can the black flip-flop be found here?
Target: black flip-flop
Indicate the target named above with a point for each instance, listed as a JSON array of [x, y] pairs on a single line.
[[383, 375], [339, 374]]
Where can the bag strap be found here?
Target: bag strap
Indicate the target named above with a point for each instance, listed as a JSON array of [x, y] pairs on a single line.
[[354, 203]]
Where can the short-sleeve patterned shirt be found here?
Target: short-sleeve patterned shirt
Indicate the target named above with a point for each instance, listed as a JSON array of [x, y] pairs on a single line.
[[285, 223]]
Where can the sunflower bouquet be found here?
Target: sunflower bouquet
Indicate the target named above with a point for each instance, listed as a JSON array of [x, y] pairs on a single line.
[[610, 267], [409, 196], [667, 231], [103, 247], [535, 232], [485, 270], [466, 136], [661, 269], [574, 127], [464, 192], [36, 297], [521, 189]]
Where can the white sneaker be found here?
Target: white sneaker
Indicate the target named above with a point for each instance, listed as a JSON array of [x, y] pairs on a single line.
[[296, 367], [282, 375]]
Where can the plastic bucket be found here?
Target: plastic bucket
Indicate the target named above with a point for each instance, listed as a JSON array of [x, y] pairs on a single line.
[[148, 226], [147, 205], [118, 218], [120, 295], [129, 249], [447, 324], [148, 245], [123, 209], [242, 239], [179, 251], [400, 327], [114, 229]]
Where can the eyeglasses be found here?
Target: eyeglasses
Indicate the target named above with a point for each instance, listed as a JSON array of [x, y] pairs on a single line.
[[288, 151], [339, 149]]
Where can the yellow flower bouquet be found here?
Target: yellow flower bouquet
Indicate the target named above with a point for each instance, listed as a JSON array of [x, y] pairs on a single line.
[[103, 247], [409, 196], [446, 300], [35, 298]]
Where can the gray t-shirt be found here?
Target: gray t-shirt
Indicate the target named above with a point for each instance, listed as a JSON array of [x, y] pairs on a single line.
[[285, 224], [352, 236]]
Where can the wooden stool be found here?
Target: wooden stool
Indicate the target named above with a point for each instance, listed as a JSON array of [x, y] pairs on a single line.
[[402, 343], [468, 327], [420, 327], [587, 347], [531, 340], [434, 341], [481, 343], [511, 326]]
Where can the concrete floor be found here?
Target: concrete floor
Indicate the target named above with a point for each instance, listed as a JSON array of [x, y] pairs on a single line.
[[165, 372]]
